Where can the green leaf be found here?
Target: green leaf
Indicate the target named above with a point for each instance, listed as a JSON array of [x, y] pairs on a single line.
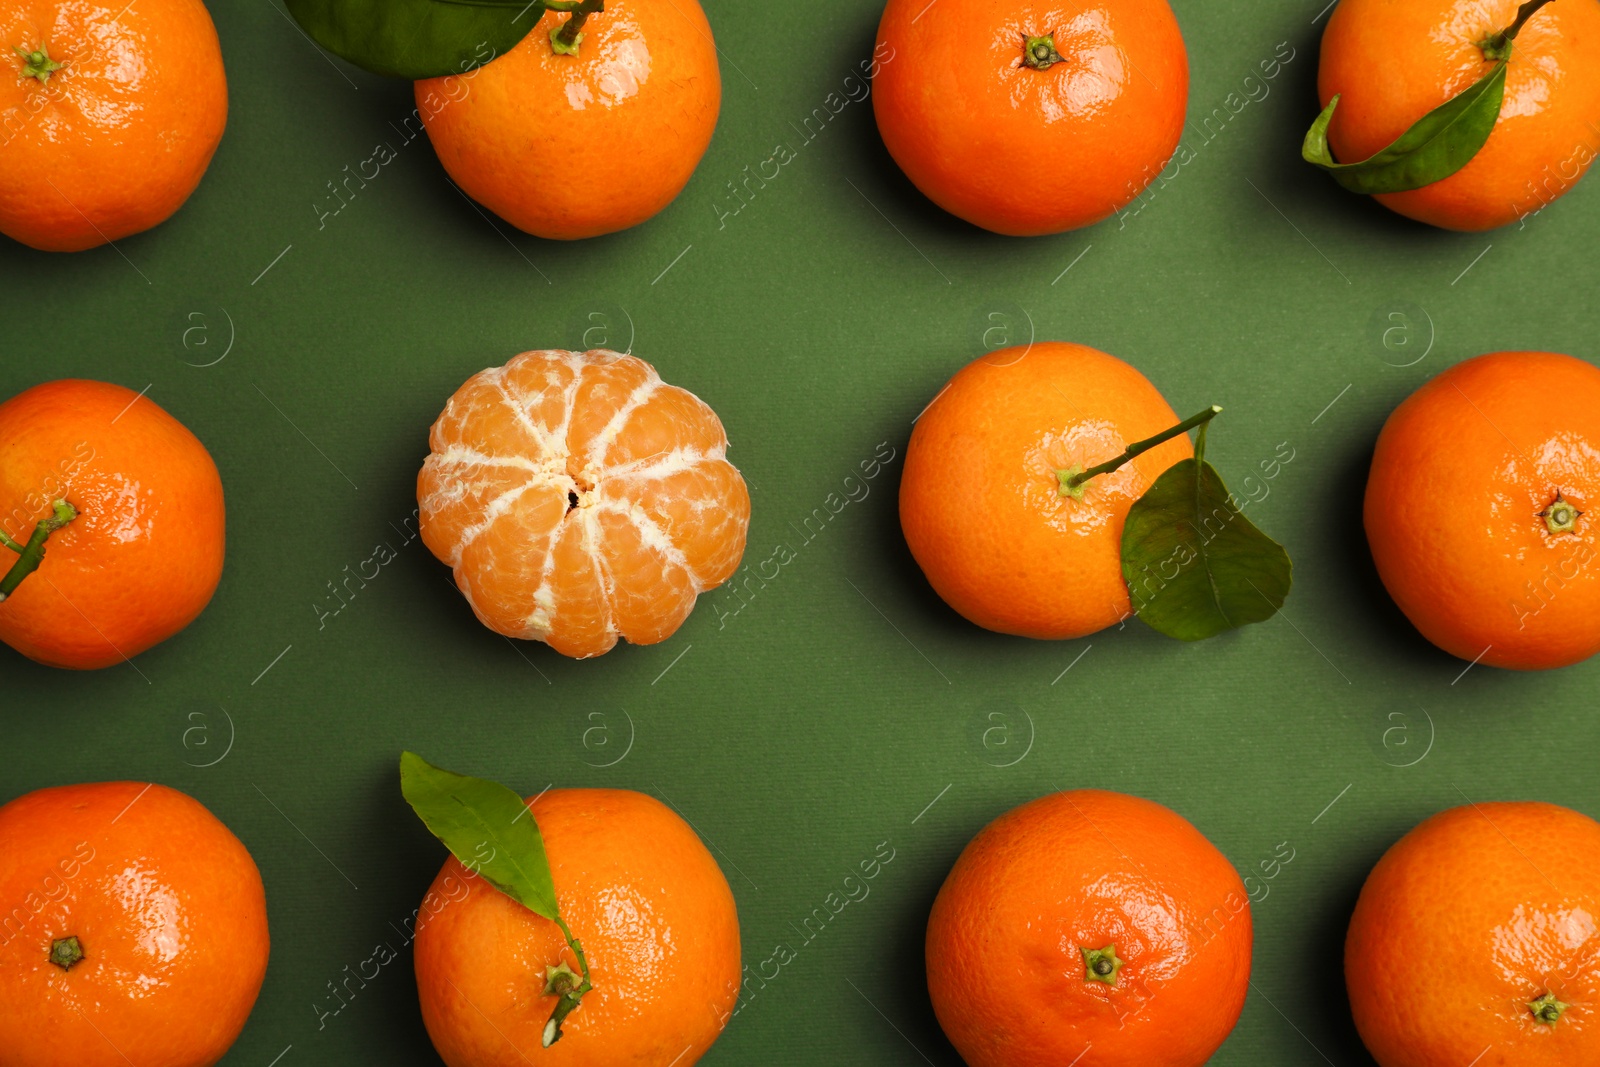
[[487, 827], [417, 38], [1195, 566], [1435, 147]]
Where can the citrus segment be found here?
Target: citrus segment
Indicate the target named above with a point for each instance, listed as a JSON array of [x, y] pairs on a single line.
[[579, 498]]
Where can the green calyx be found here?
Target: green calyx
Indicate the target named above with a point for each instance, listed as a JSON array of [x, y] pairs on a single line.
[[66, 951], [1497, 46], [1040, 52], [566, 37], [1547, 1009], [30, 555], [1561, 517], [37, 64], [1101, 964], [1071, 479]]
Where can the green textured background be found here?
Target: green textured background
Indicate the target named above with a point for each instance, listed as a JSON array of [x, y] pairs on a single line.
[[842, 706]]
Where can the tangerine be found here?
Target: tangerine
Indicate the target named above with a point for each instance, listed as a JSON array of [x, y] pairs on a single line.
[[653, 913], [1474, 941], [1393, 63], [134, 929], [577, 497], [982, 498], [1476, 509], [1031, 118], [111, 114], [142, 553], [567, 146], [1089, 928]]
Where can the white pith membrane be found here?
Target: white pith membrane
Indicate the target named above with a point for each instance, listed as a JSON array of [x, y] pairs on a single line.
[[629, 495]]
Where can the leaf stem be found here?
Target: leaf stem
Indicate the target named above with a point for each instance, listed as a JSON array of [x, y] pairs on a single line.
[[558, 982], [566, 37], [1073, 478], [1498, 46], [30, 555]]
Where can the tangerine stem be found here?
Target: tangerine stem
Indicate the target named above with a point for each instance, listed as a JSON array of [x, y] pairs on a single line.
[[37, 64], [1498, 46], [1547, 1009], [66, 951], [1561, 517], [1072, 478], [1101, 964], [32, 553], [565, 37], [558, 981], [1040, 52]]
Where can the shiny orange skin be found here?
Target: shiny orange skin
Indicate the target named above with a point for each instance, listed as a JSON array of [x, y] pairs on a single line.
[[116, 140], [144, 555], [980, 502], [1463, 923], [1461, 473], [1393, 61], [567, 147], [1022, 151], [1087, 869], [170, 912], [651, 909]]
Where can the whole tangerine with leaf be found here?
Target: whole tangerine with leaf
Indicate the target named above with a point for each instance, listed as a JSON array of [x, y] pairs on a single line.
[[578, 498], [1474, 941], [1090, 928], [591, 128], [1030, 118], [1049, 491], [112, 525], [1463, 114], [580, 926], [111, 116], [1480, 509], [135, 929]]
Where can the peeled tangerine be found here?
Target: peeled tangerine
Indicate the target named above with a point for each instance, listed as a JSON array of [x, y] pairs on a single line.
[[578, 498]]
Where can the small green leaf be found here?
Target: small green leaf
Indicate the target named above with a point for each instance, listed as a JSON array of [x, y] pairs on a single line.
[[417, 38], [1195, 566], [487, 827], [1435, 147]]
